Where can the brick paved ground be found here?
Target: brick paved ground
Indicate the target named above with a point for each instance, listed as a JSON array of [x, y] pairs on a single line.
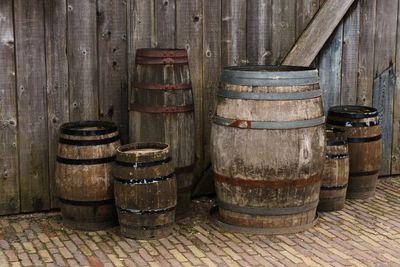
[[365, 233]]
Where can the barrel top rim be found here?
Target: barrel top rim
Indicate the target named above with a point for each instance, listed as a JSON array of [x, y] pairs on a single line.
[[137, 149], [269, 68], [353, 111], [76, 128], [269, 75], [161, 52]]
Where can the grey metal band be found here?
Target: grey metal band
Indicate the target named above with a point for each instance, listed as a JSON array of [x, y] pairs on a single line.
[[273, 78], [268, 124], [268, 211], [270, 96]]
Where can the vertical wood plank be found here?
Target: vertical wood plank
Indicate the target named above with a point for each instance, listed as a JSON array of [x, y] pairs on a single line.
[[385, 36], [396, 108], [9, 180], [165, 23], [140, 29], [113, 72], [233, 46], [366, 52], [82, 58], [211, 73], [350, 55], [305, 11], [383, 101], [259, 41], [189, 35], [57, 79], [32, 109], [330, 68], [283, 29]]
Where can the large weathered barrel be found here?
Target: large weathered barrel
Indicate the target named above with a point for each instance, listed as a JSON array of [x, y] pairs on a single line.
[[268, 147], [364, 139], [86, 151], [336, 171], [145, 190], [162, 111]]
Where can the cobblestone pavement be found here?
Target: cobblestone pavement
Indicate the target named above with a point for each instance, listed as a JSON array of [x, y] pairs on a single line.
[[365, 233]]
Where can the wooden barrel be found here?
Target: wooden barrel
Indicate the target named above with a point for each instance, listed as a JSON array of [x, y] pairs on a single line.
[[163, 111], [86, 151], [145, 190], [365, 145], [268, 142], [336, 171]]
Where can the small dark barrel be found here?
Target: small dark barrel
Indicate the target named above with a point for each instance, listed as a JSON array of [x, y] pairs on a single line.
[[163, 111], [336, 171], [268, 140], [86, 151], [364, 139], [145, 190]]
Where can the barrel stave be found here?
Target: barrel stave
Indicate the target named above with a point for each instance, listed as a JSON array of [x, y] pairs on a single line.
[[361, 125], [166, 114], [268, 148], [83, 174], [145, 190]]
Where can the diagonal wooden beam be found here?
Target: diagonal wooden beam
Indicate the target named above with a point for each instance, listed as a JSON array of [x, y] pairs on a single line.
[[317, 33]]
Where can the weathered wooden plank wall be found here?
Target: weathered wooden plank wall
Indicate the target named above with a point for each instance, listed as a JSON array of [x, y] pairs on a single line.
[[71, 60]]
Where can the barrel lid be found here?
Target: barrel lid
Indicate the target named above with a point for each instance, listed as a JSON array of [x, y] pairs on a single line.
[[142, 152], [353, 112], [88, 128], [161, 52], [268, 75]]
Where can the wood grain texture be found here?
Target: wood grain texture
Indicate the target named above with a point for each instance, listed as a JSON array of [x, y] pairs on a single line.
[[9, 179], [189, 35], [233, 32], [351, 24], [155, 200], [330, 68], [383, 102], [174, 128], [140, 29], [251, 165], [366, 51], [335, 176], [165, 17], [211, 67], [57, 79], [87, 182], [113, 71], [314, 37], [259, 31], [365, 154], [82, 60], [396, 109], [283, 29], [305, 12], [32, 109], [385, 35]]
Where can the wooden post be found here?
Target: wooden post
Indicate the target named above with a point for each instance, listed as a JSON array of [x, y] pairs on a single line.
[[314, 37], [32, 109], [113, 71], [9, 179], [82, 59]]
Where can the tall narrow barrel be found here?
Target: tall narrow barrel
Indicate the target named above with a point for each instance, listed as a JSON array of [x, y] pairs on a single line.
[[365, 146], [145, 190], [335, 176], [268, 140], [163, 111], [86, 151]]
